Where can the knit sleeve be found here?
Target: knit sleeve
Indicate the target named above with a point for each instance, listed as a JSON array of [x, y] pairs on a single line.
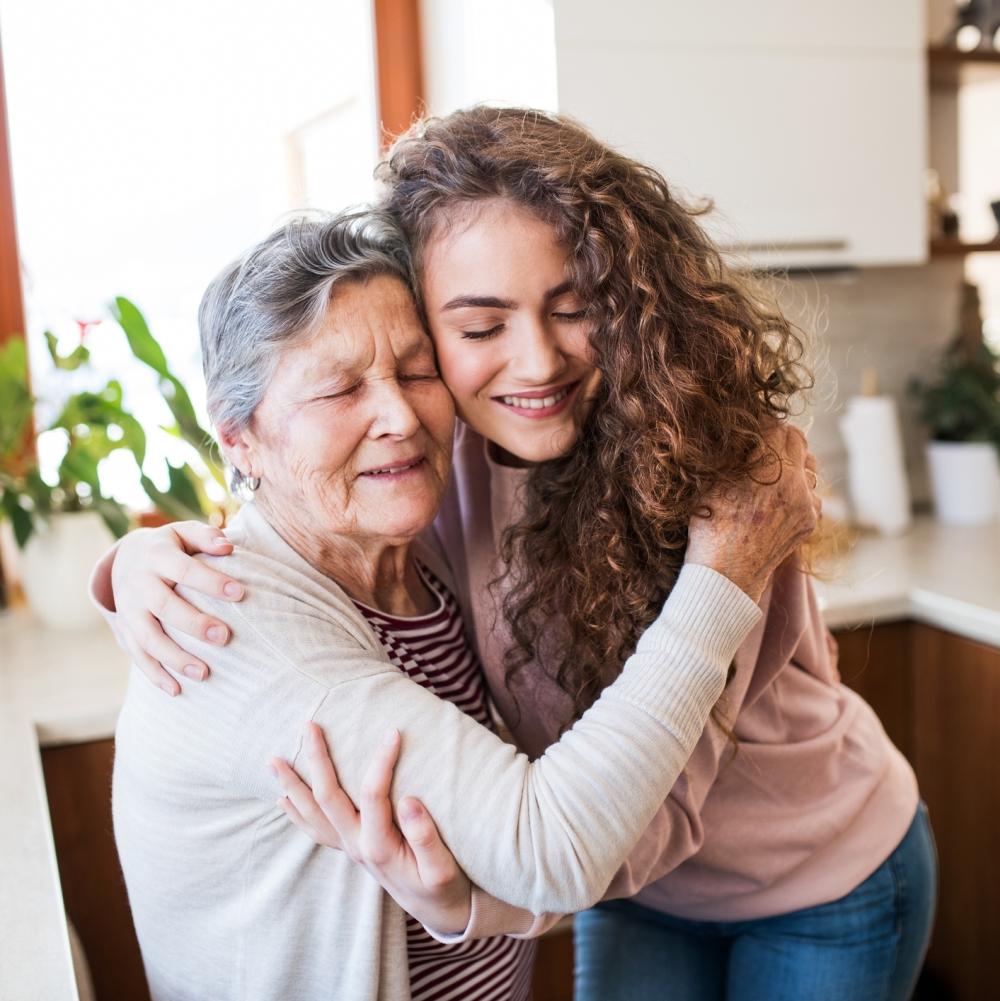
[[547, 835]]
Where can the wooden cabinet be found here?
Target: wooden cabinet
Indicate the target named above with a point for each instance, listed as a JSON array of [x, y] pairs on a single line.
[[78, 786], [938, 696], [877, 664], [777, 111]]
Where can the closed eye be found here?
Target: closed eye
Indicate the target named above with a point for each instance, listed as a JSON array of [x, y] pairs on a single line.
[[571, 317], [340, 394], [482, 335]]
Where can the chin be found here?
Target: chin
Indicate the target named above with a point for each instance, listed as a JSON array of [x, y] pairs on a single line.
[[540, 447], [406, 525]]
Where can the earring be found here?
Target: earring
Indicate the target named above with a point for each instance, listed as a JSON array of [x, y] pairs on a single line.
[[253, 484]]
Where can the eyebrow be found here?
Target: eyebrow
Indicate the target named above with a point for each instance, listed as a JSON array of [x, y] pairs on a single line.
[[417, 348], [492, 302]]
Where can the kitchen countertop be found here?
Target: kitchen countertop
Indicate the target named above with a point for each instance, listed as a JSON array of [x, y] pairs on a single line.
[[66, 687]]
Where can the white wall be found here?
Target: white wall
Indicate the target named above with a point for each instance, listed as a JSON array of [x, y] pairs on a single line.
[[493, 51]]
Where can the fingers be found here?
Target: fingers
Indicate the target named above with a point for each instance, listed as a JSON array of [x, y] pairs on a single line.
[[150, 667], [335, 804], [288, 807], [435, 862], [199, 538], [379, 836], [157, 644], [173, 564], [306, 813], [172, 610]]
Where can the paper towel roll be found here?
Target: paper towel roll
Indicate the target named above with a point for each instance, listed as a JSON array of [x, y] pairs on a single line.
[[880, 495]]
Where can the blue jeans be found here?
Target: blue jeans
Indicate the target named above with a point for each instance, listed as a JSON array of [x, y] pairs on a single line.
[[867, 946]]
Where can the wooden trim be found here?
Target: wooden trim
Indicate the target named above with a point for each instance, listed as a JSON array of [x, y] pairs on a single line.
[[398, 65], [11, 303], [952, 246]]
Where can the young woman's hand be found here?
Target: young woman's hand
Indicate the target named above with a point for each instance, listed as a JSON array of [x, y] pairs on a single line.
[[755, 527], [148, 564], [410, 861]]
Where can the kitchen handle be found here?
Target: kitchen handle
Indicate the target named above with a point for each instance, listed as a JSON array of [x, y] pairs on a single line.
[[830, 244]]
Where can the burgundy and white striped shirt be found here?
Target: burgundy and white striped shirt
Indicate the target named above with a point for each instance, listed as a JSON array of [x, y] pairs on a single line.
[[433, 651]]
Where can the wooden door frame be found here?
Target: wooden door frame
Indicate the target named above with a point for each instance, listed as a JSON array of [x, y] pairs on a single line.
[[11, 303], [398, 65]]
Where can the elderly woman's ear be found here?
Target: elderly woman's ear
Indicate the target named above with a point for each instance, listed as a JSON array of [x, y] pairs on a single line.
[[239, 449]]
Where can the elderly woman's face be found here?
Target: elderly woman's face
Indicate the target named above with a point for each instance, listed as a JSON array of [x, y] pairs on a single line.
[[353, 435]]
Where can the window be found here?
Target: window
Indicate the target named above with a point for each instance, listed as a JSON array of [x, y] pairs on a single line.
[[153, 143]]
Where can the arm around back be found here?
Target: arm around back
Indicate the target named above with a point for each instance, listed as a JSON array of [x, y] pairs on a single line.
[[546, 835]]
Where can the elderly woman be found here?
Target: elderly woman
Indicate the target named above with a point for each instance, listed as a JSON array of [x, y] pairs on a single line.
[[323, 387]]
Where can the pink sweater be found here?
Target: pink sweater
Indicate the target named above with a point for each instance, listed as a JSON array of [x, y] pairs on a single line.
[[816, 798]]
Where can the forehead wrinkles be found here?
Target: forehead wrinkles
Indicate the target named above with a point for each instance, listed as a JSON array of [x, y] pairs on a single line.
[[375, 314]]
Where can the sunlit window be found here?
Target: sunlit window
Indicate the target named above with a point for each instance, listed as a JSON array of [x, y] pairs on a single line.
[[153, 143]]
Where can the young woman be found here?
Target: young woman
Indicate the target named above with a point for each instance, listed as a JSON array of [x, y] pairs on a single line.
[[608, 369]]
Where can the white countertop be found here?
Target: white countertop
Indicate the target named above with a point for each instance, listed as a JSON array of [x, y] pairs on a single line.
[[55, 687], [943, 575], [67, 687]]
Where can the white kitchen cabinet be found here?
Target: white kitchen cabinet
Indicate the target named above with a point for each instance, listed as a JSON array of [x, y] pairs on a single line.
[[806, 127], [888, 24]]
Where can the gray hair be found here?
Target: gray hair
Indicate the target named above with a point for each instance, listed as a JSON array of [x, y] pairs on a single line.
[[279, 291]]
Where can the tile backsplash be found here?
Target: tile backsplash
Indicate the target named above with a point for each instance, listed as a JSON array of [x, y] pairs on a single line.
[[893, 320]]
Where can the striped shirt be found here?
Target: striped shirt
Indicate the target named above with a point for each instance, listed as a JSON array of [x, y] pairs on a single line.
[[433, 651]]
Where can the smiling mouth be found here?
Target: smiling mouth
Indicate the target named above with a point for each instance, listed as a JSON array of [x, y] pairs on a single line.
[[536, 405], [395, 468]]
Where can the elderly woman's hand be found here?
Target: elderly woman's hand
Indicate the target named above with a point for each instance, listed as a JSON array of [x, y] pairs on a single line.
[[148, 564], [410, 861], [755, 527]]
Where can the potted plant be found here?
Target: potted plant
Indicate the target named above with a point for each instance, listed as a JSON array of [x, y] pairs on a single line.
[[64, 522], [961, 410]]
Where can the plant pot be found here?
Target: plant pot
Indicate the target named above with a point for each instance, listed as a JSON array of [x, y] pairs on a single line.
[[56, 565], [965, 479]]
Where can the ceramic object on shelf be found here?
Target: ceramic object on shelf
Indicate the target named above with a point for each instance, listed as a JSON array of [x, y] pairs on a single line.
[[56, 565], [876, 472], [965, 479]]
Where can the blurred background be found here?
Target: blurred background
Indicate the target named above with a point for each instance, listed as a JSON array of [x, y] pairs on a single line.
[[852, 153], [148, 148]]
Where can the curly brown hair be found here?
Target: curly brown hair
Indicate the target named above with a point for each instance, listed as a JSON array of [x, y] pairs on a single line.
[[696, 362]]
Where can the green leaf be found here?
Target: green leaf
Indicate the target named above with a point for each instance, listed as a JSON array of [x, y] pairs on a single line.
[[79, 466], [16, 402], [184, 487], [68, 363], [14, 360], [133, 436], [169, 505], [21, 520], [109, 426], [147, 349], [143, 344], [113, 514]]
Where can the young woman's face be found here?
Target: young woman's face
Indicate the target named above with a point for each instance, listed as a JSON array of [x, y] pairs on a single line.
[[511, 333]]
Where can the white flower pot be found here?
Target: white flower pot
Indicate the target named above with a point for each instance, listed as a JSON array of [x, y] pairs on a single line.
[[965, 479], [56, 565]]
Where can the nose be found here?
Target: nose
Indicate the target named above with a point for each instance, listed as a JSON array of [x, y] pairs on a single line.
[[392, 413], [538, 357]]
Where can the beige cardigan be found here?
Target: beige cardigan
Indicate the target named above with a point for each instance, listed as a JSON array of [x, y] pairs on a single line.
[[232, 902]]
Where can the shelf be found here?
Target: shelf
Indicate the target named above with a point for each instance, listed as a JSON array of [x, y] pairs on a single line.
[[952, 246], [948, 67]]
